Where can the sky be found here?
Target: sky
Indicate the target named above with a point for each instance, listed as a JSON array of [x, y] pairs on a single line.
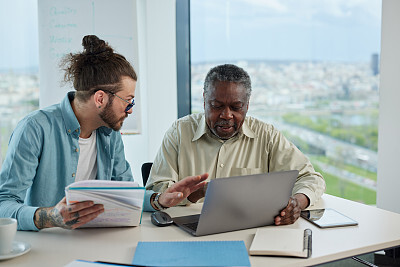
[[328, 30], [338, 30]]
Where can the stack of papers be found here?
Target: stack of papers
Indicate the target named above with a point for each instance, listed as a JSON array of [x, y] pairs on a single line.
[[123, 201]]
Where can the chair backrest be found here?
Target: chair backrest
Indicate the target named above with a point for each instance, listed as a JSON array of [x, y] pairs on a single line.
[[146, 167]]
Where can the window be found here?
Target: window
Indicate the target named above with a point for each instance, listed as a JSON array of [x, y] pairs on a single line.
[[19, 66], [315, 75]]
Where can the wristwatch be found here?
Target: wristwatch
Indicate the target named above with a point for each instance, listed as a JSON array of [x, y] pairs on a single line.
[[157, 204]]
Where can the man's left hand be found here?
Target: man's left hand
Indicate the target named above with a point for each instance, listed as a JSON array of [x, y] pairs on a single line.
[[292, 211]]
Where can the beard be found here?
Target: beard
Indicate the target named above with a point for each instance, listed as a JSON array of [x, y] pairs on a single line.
[[224, 135], [108, 116]]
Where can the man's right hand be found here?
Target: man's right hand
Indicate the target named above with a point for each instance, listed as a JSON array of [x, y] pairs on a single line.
[[196, 195], [182, 189], [67, 216]]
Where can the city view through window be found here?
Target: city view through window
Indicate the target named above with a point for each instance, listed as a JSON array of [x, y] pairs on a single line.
[[314, 67], [19, 65]]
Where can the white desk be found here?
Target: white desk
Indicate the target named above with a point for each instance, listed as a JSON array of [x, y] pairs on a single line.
[[377, 230]]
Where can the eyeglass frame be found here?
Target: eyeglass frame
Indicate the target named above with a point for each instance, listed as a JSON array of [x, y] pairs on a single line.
[[130, 104]]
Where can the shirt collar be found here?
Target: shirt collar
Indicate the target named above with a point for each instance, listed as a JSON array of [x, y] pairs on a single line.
[[203, 129], [72, 125], [246, 130], [71, 122]]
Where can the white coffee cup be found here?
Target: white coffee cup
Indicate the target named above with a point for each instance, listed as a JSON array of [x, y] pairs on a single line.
[[8, 229]]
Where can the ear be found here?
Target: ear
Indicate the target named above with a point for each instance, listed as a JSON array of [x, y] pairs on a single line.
[[100, 98]]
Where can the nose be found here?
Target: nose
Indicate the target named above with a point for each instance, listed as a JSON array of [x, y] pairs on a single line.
[[129, 111], [226, 114]]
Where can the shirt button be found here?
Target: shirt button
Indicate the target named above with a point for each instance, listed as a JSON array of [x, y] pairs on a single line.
[[73, 175], [76, 130], [76, 149], [221, 165]]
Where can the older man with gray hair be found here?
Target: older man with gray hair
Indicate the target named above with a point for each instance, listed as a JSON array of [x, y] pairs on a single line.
[[223, 142]]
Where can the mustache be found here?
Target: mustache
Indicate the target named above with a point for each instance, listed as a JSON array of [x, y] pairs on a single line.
[[225, 123]]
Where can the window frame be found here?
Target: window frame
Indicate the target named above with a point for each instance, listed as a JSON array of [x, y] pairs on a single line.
[[183, 63]]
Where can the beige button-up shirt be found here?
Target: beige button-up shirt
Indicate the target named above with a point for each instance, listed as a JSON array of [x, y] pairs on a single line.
[[189, 148]]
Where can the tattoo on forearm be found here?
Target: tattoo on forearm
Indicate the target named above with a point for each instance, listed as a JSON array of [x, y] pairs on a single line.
[[51, 217], [40, 218], [55, 218]]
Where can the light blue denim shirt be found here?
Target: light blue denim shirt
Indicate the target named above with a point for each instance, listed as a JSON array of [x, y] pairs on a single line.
[[42, 159]]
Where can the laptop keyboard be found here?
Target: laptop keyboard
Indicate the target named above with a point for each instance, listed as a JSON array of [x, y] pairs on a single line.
[[192, 226]]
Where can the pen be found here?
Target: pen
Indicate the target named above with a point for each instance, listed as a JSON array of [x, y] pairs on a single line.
[[308, 241]]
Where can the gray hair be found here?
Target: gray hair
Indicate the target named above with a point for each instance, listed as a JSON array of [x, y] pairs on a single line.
[[228, 73]]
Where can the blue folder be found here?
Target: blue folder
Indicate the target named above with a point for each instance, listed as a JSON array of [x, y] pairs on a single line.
[[191, 253]]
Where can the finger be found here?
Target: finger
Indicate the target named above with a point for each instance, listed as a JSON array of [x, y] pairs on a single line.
[[71, 224], [204, 176], [85, 219], [171, 199], [285, 210], [198, 186], [290, 218], [84, 212], [287, 213], [79, 206], [278, 220], [292, 202], [193, 180], [289, 207]]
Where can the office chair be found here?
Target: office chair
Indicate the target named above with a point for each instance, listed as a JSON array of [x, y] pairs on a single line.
[[146, 167]]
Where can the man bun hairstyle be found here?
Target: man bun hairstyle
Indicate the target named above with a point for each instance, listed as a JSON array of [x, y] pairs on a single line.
[[97, 67], [228, 73]]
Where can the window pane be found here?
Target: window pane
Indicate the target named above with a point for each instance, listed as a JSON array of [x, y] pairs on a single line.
[[315, 74], [19, 66]]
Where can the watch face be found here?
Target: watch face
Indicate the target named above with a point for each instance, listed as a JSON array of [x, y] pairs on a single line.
[[156, 203]]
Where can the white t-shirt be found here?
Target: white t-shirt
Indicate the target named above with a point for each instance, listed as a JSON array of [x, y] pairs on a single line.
[[87, 162]]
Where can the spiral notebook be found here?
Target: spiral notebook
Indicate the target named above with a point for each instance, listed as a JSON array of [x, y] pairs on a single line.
[[277, 241], [191, 253]]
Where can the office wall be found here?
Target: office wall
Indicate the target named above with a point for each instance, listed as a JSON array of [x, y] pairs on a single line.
[[62, 24], [157, 79], [388, 196], [143, 31]]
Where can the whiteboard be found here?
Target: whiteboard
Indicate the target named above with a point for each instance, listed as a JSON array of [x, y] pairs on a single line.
[[63, 24]]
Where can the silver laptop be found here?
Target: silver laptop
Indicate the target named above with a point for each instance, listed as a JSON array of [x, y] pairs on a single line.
[[240, 202]]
